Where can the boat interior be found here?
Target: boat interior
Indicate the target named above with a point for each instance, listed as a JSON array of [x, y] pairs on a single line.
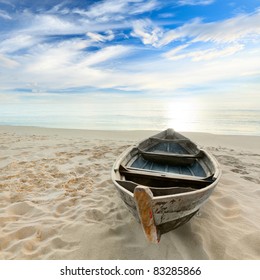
[[168, 163], [180, 174]]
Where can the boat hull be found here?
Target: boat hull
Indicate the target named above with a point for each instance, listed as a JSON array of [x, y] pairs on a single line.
[[175, 198], [170, 211]]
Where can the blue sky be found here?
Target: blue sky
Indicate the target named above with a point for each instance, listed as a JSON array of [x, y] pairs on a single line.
[[129, 47]]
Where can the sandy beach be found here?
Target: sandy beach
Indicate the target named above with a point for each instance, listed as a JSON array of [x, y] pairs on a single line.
[[57, 200]]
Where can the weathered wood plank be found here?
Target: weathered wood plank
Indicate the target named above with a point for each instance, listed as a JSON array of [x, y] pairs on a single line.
[[193, 182], [143, 197]]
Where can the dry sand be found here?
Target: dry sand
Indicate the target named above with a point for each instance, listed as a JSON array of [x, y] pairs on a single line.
[[57, 200]]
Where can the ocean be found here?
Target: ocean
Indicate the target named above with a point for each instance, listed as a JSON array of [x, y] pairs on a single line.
[[131, 116]]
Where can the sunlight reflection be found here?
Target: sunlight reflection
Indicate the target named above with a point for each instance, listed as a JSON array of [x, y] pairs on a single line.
[[182, 115]]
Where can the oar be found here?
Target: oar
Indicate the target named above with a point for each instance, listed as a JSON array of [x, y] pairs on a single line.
[[143, 199]]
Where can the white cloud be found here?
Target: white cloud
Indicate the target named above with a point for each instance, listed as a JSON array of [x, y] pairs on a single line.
[[230, 30], [104, 8], [166, 15], [144, 6], [226, 31], [96, 37], [31, 29], [55, 56], [16, 42], [67, 67], [59, 9], [172, 53], [7, 62], [7, 2], [218, 39], [62, 64], [45, 24], [195, 2], [149, 33], [105, 54], [206, 54], [5, 15], [168, 77], [216, 53], [116, 10], [50, 60]]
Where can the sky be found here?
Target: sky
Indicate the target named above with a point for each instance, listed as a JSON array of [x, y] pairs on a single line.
[[64, 51]]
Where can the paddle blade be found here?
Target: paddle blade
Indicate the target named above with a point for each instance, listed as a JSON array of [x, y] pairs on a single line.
[[143, 199]]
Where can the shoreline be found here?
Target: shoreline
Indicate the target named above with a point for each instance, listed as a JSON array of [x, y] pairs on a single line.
[[249, 142], [58, 202], [119, 130]]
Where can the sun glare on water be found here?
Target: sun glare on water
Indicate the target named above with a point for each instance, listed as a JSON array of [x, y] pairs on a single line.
[[182, 116]]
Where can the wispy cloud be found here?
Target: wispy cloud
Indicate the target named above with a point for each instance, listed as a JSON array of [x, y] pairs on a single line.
[[66, 64], [168, 77], [96, 37], [226, 31], [231, 30], [145, 6], [106, 54], [116, 10], [45, 24], [7, 62], [195, 2], [18, 42], [103, 45], [216, 53], [206, 54], [149, 33], [172, 53], [5, 15]]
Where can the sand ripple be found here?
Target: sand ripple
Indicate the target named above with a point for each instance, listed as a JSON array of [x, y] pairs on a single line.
[[57, 202]]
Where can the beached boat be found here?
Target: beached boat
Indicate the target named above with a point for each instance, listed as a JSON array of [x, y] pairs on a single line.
[[164, 180]]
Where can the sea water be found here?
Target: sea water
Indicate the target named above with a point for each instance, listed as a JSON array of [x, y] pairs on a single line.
[[142, 115]]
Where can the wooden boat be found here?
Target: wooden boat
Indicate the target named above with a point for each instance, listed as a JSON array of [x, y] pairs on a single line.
[[164, 180]]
